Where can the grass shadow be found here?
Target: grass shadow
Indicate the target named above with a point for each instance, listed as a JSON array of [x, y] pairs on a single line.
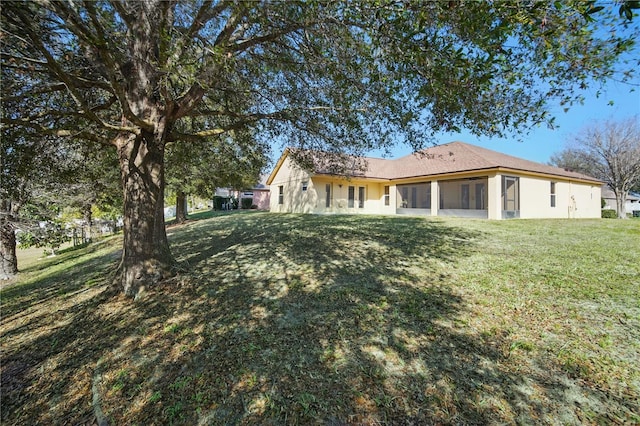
[[281, 319]]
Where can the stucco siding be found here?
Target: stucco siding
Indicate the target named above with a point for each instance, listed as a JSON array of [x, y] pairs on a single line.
[[303, 193], [572, 199], [366, 197], [261, 199], [492, 194], [294, 199]]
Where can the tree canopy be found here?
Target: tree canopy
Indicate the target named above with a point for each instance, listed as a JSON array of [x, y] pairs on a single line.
[[331, 75]]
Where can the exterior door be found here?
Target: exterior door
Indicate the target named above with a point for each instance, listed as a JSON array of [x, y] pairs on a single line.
[[511, 194]]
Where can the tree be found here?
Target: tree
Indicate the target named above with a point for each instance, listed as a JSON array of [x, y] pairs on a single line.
[[610, 151], [574, 159], [338, 76], [29, 175], [95, 182], [222, 161]]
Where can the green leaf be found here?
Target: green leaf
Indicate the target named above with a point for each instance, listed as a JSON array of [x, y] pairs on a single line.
[[595, 9]]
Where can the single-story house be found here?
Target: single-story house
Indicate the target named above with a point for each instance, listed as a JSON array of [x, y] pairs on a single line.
[[454, 179], [631, 204], [259, 194]]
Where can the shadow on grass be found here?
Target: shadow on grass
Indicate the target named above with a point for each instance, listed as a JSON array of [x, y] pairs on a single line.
[[71, 270], [282, 319]]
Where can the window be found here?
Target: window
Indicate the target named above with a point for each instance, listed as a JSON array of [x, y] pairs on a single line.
[[386, 195], [327, 189], [361, 197], [305, 185], [553, 194], [352, 197], [280, 194]]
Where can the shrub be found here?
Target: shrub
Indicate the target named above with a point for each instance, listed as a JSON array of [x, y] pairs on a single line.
[[218, 201], [609, 214], [48, 235], [246, 203]]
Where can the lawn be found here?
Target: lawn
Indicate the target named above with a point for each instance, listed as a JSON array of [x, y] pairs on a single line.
[[302, 319]]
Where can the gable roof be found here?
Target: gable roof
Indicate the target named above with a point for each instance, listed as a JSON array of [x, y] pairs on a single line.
[[449, 158]]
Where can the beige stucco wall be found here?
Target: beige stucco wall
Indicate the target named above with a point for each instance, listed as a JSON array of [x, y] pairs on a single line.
[[339, 196], [313, 200], [573, 200], [291, 177]]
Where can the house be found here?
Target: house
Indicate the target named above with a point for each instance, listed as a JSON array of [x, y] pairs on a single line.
[[259, 194], [631, 204], [454, 179]]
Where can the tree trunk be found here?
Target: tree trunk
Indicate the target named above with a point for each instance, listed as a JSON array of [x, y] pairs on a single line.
[[621, 197], [181, 207], [8, 258], [146, 257], [87, 215]]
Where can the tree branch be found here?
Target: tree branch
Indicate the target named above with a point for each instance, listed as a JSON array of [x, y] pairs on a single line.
[[31, 122], [239, 47], [112, 71], [66, 78], [188, 102]]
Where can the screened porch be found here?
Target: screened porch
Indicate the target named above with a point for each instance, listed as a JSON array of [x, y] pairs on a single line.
[[459, 198]]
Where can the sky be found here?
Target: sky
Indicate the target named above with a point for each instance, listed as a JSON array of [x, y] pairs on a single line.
[[542, 142], [615, 101]]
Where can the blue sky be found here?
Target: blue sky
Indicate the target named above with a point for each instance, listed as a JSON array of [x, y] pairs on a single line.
[[542, 142]]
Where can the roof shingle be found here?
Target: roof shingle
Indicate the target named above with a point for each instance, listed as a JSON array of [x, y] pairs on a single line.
[[457, 157]]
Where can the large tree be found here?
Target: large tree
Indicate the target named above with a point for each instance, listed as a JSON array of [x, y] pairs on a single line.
[[335, 75], [610, 151]]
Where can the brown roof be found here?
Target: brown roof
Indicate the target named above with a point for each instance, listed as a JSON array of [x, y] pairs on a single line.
[[455, 157], [449, 158]]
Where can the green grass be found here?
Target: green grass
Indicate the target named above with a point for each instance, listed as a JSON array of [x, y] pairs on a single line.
[[302, 319]]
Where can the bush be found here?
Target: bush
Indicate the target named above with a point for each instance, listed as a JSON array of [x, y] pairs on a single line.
[[218, 201], [246, 203], [609, 214], [48, 235]]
